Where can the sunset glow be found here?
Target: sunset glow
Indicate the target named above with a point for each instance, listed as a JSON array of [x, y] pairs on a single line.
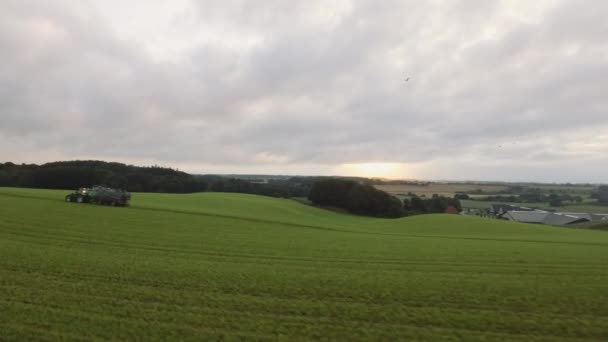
[[379, 170]]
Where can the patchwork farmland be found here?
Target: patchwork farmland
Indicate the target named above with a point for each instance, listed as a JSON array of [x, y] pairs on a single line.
[[233, 266]]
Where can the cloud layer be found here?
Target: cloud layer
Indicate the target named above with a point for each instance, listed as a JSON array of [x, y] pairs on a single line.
[[498, 89]]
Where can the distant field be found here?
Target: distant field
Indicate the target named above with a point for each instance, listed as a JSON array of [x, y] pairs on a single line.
[[439, 188], [229, 266], [450, 189], [573, 189]]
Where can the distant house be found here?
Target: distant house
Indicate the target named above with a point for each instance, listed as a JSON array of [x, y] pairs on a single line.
[[451, 210], [544, 217]]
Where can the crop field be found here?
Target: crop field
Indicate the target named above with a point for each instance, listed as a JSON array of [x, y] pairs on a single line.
[[214, 266], [449, 189]]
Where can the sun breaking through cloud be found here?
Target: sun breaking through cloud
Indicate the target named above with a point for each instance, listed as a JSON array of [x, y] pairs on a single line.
[[500, 90]]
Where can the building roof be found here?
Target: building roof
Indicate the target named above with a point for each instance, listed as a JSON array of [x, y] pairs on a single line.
[[587, 216], [544, 217], [537, 216], [559, 219], [501, 208]]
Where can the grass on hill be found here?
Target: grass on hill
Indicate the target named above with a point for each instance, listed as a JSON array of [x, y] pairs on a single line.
[[232, 266]]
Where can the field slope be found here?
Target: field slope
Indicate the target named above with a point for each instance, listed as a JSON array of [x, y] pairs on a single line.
[[230, 266]]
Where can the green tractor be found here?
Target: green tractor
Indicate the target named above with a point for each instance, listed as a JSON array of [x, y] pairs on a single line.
[[100, 195]]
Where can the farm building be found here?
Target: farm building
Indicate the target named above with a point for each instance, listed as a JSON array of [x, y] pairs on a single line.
[[543, 217], [451, 210], [499, 210], [590, 217]]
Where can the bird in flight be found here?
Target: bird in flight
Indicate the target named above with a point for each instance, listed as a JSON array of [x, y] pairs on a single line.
[[407, 79]]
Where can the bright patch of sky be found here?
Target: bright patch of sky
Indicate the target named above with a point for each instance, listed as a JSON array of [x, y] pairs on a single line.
[[497, 89]]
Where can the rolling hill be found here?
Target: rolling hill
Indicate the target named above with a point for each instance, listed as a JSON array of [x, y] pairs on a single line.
[[234, 266]]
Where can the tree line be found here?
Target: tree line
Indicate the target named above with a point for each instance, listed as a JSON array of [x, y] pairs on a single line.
[[436, 204], [285, 188], [364, 199], [357, 198], [355, 195], [536, 195], [601, 194], [86, 173]]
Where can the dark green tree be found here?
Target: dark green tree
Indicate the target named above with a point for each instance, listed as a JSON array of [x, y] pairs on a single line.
[[601, 194], [362, 199]]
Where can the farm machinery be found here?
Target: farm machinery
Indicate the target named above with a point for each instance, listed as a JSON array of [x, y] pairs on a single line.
[[100, 195]]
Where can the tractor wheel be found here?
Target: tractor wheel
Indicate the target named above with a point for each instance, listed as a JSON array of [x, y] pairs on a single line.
[[68, 198], [79, 199]]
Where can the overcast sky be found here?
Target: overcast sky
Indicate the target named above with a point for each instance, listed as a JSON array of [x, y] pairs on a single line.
[[498, 90]]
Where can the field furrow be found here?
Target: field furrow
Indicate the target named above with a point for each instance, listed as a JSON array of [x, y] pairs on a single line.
[[185, 267]]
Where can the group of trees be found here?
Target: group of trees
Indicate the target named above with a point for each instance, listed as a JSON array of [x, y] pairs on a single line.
[[436, 204], [532, 195], [86, 173], [601, 194], [364, 199], [286, 188], [357, 198], [461, 196], [75, 174], [558, 200]]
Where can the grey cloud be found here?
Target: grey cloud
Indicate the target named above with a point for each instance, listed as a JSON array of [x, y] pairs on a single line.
[[312, 83]]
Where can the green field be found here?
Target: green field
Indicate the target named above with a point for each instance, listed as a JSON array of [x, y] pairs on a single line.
[[230, 266]]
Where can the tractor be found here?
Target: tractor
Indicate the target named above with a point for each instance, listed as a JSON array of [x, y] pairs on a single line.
[[100, 195]]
